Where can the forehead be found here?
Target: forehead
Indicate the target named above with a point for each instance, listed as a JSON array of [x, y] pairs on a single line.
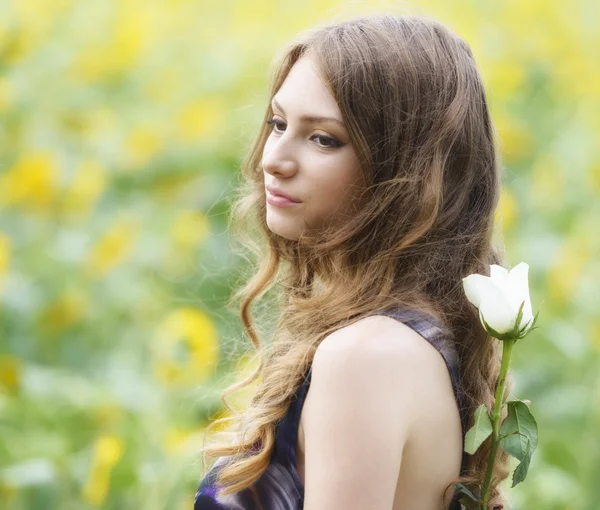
[[304, 89]]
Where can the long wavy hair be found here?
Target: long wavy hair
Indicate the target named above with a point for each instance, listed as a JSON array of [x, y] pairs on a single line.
[[414, 105]]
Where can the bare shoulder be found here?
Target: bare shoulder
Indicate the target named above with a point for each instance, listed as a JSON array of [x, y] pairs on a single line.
[[356, 422], [372, 383], [378, 342]]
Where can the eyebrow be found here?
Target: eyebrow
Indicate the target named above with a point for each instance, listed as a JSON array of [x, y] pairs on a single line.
[[312, 118]]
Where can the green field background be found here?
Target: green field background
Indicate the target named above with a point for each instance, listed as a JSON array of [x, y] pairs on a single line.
[[122, 128]]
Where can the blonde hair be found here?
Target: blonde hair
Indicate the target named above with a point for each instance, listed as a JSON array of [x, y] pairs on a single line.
[[415, 108]]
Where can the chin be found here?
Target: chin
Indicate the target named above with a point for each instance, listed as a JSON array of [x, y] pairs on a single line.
[[292, 236], [283, 229]]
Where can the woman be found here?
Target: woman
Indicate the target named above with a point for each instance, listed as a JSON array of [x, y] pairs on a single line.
[[379, 135]]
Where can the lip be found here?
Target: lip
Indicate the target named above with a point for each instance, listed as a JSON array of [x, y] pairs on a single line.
[[279, 201], [276, 192]]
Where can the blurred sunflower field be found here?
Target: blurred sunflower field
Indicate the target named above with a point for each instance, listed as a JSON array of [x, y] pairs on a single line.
[[122, 128]]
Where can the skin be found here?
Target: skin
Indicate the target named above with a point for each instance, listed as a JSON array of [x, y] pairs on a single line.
[[313, 161]]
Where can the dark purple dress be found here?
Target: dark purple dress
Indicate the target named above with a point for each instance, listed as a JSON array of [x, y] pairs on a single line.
[[279, 487]]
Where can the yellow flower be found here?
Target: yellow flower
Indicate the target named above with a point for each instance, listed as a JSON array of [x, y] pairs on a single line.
[[108, 451], [31, 182], [186, 347], [112, 248]]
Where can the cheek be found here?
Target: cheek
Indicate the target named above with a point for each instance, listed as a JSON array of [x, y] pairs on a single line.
[[334, 188], [332, 192]]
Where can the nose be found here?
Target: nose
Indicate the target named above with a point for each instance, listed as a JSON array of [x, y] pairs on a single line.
[[278, 158]]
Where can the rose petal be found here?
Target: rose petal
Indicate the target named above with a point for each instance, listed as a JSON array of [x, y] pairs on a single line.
[[497, 309], [499, 276], [519, 289], [472, 286]]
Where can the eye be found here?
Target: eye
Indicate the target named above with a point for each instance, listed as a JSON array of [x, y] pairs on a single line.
[[274, 123], [329, 142], [326, 142]]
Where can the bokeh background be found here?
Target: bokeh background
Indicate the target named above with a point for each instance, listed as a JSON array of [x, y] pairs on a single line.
[[122, 128]]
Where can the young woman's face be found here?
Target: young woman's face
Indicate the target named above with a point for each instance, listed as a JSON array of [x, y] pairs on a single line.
[[308, 156]]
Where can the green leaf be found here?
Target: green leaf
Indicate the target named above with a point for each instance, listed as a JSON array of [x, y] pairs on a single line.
[[524, 331], [521, 430], [464, 490], [519, 316], [480, 431], [468, 500], [521, 470]]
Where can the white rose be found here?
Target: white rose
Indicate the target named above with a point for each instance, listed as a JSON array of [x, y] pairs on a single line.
[[499, 296]]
